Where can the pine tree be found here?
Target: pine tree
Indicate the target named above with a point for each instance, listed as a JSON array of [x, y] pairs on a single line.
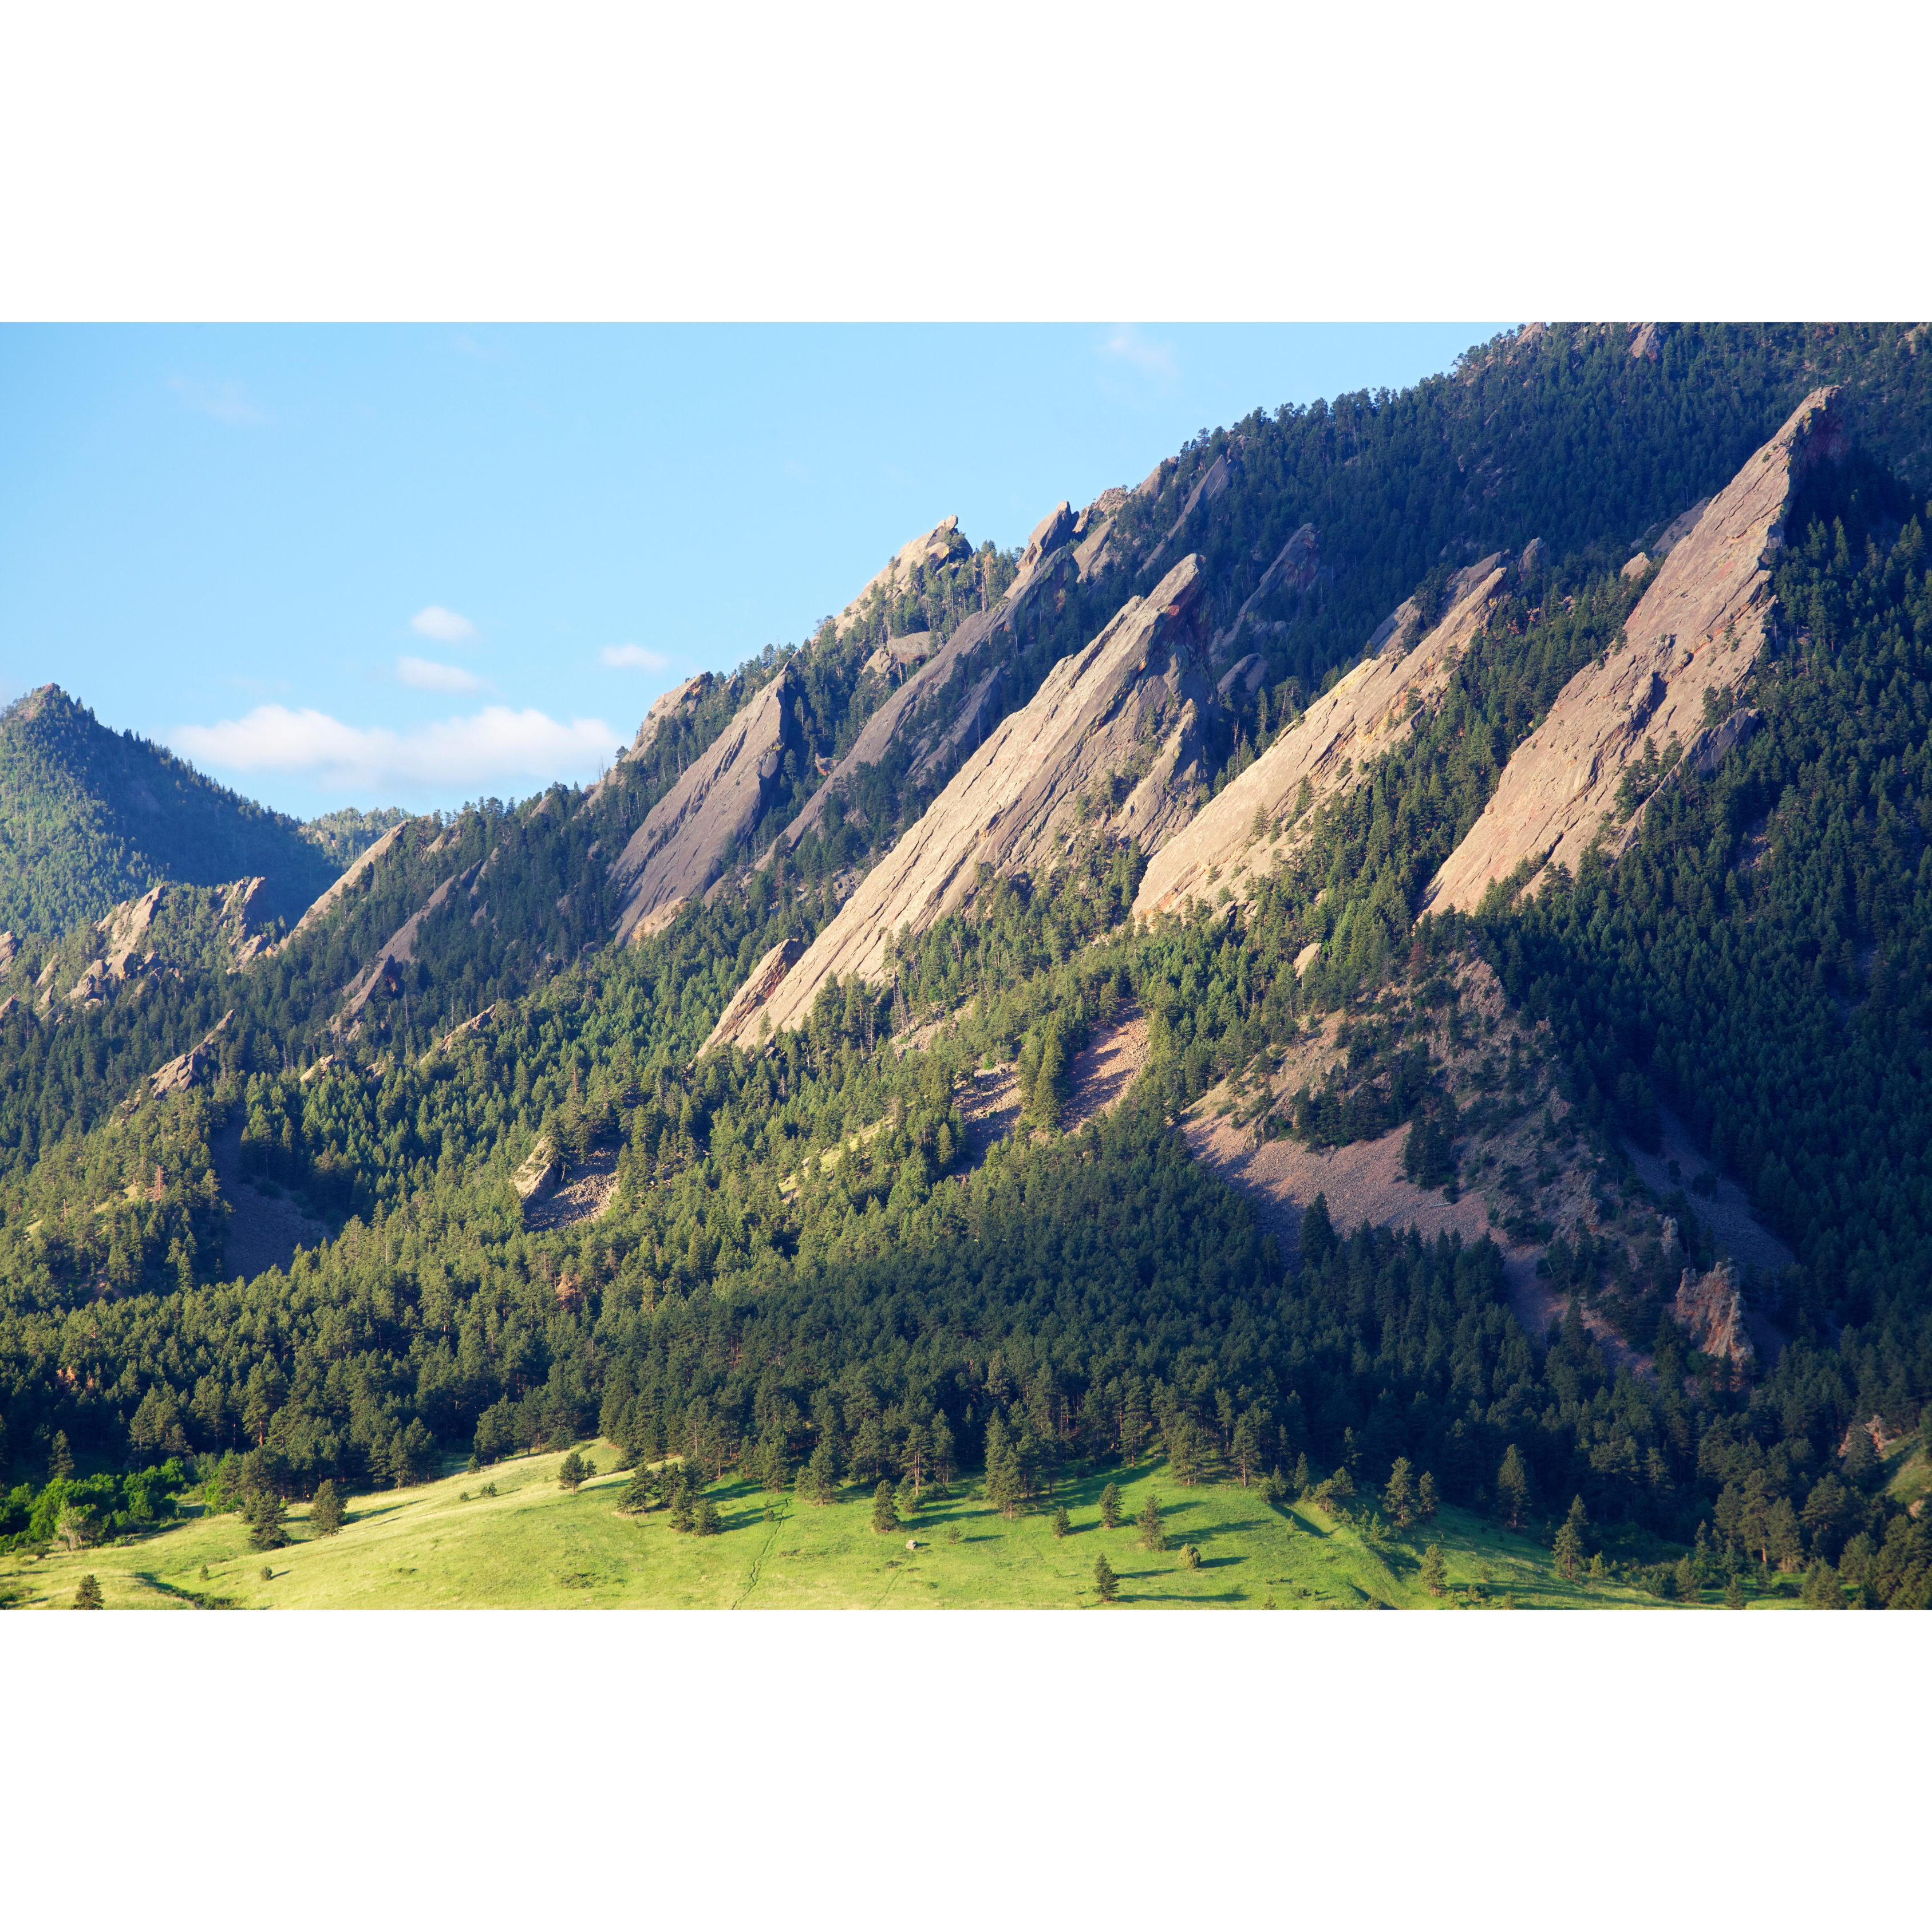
[[1060, 1524], [885, 1514], [1106, 1585], [60, 1458], [325, 1514], [1152, 1536], [87, 1596], [268, 1520], [819, 1477], [1301, 1478], [1190, 1557], [1734, 1592], [1569, 1549], [570, 1473], [1688, 1592], [1110, 1506], [1513, 1489], [1399, 1493], [705, 1522], [1435, 1571], [1427, 1501]]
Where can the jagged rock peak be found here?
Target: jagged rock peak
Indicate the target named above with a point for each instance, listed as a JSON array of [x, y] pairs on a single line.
[[941, 543], [1335, 745], [1108, 746], [1699, 627], [691, 835]]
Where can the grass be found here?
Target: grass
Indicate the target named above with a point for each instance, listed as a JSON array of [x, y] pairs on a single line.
[[532, 1546]]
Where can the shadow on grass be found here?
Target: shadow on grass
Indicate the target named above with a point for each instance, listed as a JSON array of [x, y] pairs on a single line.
[[199, 1600]]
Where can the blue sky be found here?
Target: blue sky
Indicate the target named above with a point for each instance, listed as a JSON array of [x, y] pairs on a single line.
[[418, 565]]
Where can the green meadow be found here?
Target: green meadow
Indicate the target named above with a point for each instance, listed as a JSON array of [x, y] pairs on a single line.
[[446, 1545]]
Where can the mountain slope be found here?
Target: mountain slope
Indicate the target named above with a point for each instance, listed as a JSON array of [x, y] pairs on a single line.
[[90, 817]]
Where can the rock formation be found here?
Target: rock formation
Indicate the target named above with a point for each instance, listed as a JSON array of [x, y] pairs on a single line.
[[1333, 746], [182, 1072], [690, 836], [1108, 744], [1710, 1309], [677, 705], [1699, 627], [740, 1015], [1296, 568], [940, 544], [398, 950], [350, 880]]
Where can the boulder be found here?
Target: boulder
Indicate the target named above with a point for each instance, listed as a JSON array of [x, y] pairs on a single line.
[[1698, 628], [1636, 566], [1710, 1309], [540, 1172], [690, 836], [1335, 744], [1120, 716]]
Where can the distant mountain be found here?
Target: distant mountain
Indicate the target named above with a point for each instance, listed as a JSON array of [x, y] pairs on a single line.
[[91, 817]]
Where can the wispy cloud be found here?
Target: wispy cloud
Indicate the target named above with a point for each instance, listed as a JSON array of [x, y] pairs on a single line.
[[634, 657], [425, 674], [1125, 343], [229, 402], [493, 745], [446, 627]]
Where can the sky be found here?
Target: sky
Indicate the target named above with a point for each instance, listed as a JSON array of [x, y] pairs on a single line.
[[414, 565]]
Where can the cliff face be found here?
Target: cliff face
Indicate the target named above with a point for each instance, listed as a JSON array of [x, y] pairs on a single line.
[[941, 544], [1334, 745], [1710, 1309], [691, 835], [1106, 745], [678, 703], [1699, 627]]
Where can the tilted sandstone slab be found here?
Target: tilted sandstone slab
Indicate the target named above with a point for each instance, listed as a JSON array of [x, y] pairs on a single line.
[[678, 704], [691, 835], [1124, 708], [750, 998], [349, 882], [941, 544], [1699, 627], [1334, 745], [181, 1073]]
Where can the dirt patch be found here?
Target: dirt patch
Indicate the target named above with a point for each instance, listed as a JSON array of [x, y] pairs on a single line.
[[264, 1230], [587, 1195], [1105, 1068]]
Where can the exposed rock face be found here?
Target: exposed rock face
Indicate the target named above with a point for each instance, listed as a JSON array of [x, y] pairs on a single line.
[[1208, 486], [1699, 627], [941, 542], [399, 950], [691, 835], [678, 703], [1121, 714], [540, 1173], [1091, 530], [350, 881], [1368, 713], [7, 950], [1295, 568], [752, 995], [895, 653], [1710, 1309], [181, 1073]]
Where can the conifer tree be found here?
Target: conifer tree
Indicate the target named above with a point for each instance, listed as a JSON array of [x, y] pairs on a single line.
[[1734, 1592], [1302, 1477], [268, 1519], [1110, 1506], [1399, 1493], [325, 1514], [705, 1520], [1152, 1535], [60, 1458], [1060, 1524], [1569, 1548], [1513, 1488], [1688, 1592], [1106, 1585], [1435, 1571], [885, 1513], [87, 1595], [1427, 1500], [570, 1473]]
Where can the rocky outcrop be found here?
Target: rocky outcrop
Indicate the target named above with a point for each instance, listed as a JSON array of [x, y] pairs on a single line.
[[1704, 753], [352, 880], [1335, 744], [898, 653], [941, 544], [8, 949], [1106, 746], [691, 835], [190, 1068], [1295, 568], [477, 1023], [1211, 483], [679, 705], [384, 972], [1698, 628], [540, 1172], [1092, 529], [741, 1015], [1710, 1309]]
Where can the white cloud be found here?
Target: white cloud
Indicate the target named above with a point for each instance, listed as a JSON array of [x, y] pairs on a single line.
[[446, 627], [422, 674], [1127, 344], [493, 745], [229, 402], [634, 657]]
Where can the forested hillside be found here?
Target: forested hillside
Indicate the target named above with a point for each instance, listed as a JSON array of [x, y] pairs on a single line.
[[901, 1231]]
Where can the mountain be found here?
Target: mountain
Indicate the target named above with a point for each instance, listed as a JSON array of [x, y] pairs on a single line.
[[1396, 946], [89, 816]]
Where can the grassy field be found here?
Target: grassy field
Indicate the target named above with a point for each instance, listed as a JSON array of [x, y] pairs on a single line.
[[532, 1545]]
